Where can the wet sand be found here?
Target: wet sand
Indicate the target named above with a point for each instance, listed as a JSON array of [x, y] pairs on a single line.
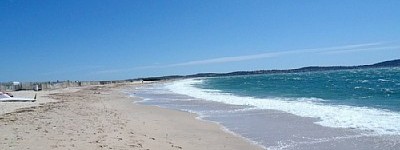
[[271, 128], [102, 117], [280, 130]]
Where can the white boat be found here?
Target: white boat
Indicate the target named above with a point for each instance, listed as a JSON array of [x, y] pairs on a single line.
[[4, 97]]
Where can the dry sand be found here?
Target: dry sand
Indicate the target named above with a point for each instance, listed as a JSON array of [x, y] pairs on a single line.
[[42, 97], [101, 117]]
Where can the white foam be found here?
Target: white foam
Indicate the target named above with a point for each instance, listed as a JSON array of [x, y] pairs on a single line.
[[338, 116], [383, 80]]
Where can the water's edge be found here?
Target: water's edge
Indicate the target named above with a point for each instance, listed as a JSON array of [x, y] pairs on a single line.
[[272, 129], [140, 101]]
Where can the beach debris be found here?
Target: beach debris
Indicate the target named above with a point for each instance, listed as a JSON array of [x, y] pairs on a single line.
[[4, 97]]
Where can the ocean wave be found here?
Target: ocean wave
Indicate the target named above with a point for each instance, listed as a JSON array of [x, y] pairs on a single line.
[[338, 116], [383, 80]]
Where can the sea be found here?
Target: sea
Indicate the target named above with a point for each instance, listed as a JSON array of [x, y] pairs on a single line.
[[346, 109]]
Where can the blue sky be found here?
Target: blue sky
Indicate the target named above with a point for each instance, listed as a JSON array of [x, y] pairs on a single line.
[[106, 39]]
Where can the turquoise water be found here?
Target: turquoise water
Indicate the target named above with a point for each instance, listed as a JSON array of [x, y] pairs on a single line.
[[375, 88], [353, 109], [367, 99]]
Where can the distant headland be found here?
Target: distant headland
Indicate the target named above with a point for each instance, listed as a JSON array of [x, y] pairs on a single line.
[[384, 64]]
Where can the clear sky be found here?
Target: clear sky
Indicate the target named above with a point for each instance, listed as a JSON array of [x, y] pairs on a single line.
[[43, 40]]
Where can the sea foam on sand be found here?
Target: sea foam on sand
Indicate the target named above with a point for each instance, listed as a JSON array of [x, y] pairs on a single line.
[[371, 120]]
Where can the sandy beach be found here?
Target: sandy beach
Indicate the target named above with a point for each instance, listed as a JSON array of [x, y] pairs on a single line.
[[102, 117]]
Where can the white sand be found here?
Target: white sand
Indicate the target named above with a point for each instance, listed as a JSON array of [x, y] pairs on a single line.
[[42, 97], [109, 120]]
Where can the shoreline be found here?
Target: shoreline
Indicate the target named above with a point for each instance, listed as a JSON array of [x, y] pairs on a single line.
[[103, 117], [269, 128], [222, 127]]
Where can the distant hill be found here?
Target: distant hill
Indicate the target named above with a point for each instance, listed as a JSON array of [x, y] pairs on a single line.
[[391, 63], [385, 64]]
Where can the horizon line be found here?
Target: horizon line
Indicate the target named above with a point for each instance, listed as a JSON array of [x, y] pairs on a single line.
[[324, 50]]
